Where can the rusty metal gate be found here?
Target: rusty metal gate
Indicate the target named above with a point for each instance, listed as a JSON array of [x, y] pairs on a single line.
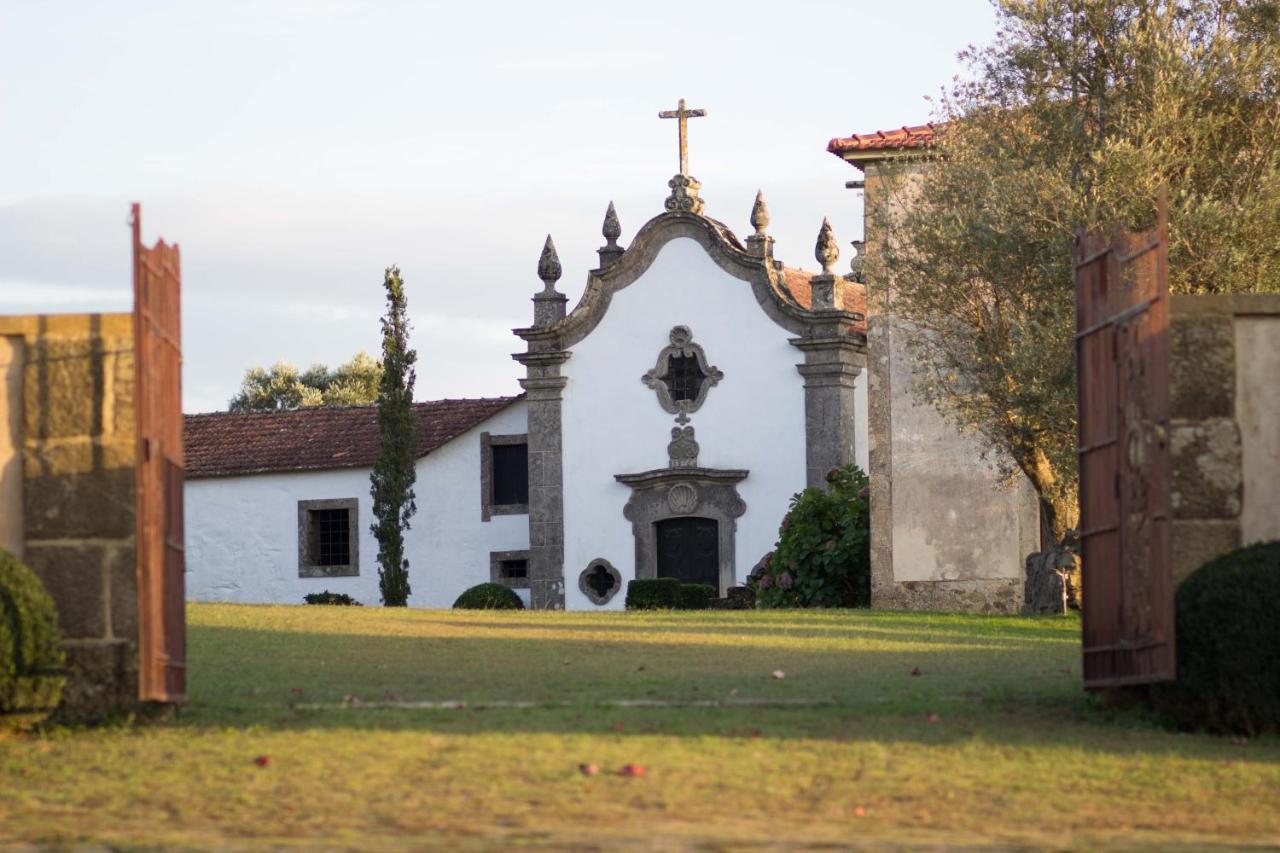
[[1122, 356], [162, 638]]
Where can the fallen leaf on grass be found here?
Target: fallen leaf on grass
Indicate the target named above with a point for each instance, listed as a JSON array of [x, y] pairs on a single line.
[[262, 760], [778, 675], [915, 670], [631, 770], [588, 769]]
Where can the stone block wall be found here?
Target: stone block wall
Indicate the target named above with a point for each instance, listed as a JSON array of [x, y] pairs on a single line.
[[1224, 392], [71, 519]]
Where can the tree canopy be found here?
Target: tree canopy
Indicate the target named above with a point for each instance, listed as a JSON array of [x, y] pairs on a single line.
[[1075, 117], [283, 387]]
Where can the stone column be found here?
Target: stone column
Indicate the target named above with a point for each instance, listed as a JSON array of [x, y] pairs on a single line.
[[833, 358], [544, 386], [832, 361]]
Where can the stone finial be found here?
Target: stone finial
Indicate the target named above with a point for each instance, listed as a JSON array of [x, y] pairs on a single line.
[[549, 269], [549, 305], [611, 230], [760, 244], [684, 195], [856, 271], [826, 250], [759, 214]]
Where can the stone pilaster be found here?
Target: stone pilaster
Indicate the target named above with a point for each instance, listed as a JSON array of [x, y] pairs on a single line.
[[832, 362], [544, 385]]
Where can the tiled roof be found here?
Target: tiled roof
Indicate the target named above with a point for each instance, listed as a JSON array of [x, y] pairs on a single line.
[[227, 443], [917, 136], [855, 294]]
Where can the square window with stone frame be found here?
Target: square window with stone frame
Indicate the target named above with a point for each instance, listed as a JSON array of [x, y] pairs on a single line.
[[328, 538], [504, 475], [509, 568]]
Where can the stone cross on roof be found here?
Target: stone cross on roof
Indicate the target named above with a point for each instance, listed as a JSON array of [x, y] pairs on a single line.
[[683, 115]]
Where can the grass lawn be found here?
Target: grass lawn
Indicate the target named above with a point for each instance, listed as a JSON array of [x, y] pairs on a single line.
[[992, 743]]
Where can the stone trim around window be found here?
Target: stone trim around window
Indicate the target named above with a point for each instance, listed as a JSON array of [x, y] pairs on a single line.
[[681, 345], [676, 492], [496, 574], [584, 581], [306, 567], [488, 508]]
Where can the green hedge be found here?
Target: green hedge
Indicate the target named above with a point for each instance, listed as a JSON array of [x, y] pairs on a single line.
[[1228, 637], [695, 596], [653, 594], [326, 597], [31, 658], [489, 596]]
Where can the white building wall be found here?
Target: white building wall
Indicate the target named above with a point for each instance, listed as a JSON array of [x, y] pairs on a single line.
[[613, 424], [242, 532]]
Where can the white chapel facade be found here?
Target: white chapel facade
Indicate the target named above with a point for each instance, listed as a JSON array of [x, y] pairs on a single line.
[[665, 423]]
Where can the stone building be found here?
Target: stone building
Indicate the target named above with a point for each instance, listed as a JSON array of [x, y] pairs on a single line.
[[667, 420], [67, 458], [950, 527]]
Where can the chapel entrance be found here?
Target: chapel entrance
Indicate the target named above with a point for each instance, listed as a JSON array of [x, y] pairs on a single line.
[[689, 550]]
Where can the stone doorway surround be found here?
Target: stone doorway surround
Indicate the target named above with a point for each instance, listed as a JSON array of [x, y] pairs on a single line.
[[667, 493]]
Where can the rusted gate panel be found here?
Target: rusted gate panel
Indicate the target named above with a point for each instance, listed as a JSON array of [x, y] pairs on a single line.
[[162, 623], [1122, 356]]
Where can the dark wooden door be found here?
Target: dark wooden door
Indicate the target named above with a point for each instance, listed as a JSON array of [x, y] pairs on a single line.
[[689, 550], [1122, 357], [162, 635]]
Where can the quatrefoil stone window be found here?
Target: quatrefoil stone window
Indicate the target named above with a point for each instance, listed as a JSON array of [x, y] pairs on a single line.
[[600, 581], [682, 377]]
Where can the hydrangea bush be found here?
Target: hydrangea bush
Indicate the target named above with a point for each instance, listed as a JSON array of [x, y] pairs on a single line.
[[823, 554]]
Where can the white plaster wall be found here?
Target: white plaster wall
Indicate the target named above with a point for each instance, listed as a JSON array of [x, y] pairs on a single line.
[[242, 532], [11, 360], [957, 514], [1258, 413], [613, 424]]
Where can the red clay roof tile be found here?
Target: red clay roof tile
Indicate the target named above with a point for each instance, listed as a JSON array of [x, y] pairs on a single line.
[[916, 136], [222, 444]]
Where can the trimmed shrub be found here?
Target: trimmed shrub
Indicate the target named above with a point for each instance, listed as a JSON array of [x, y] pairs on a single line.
[[489, 596], [1228, 637], [31, 658], [326, 597], [695, 596], [823, 555], [653, 594]]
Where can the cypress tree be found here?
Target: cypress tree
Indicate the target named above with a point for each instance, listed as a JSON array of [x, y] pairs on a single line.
[[393, 471]]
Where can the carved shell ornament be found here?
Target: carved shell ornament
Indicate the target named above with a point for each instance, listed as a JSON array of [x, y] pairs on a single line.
[[682, 498], [682, 377]]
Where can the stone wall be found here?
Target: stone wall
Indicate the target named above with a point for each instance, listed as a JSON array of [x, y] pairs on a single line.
[[952, 520], [75, 527], [1225, 424]]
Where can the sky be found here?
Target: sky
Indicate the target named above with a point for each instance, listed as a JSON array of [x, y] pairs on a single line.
[[295, 149]]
